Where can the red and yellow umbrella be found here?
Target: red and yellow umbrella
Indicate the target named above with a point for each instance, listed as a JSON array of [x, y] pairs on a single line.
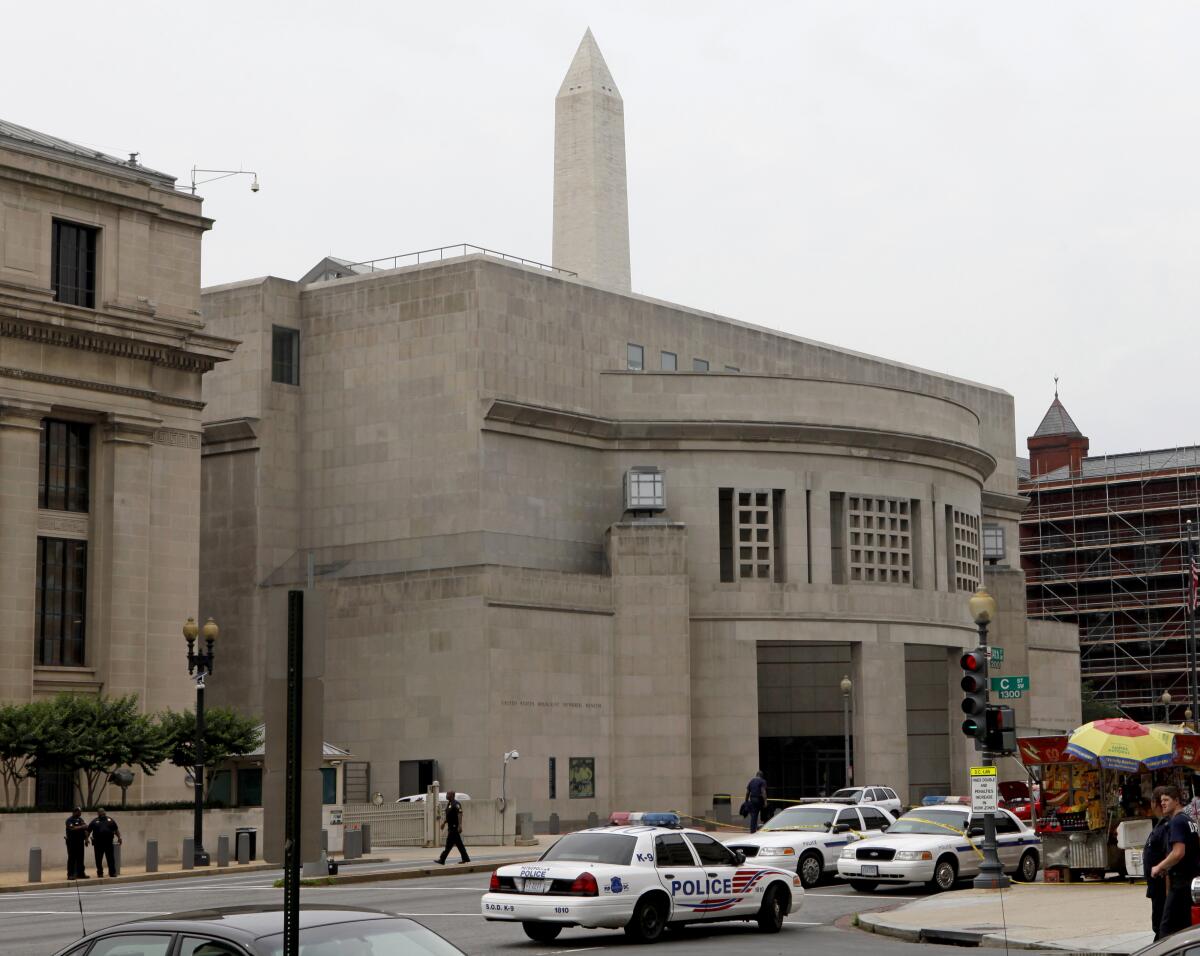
[[1121, 744]]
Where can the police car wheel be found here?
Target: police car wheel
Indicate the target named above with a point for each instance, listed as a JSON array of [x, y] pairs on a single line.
[[945, 875], [648, 920], [810, 869], [1027, 871], [541, 932], [774, 906]]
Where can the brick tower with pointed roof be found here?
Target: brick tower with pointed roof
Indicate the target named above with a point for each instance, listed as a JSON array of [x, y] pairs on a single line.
[[1056, 443]]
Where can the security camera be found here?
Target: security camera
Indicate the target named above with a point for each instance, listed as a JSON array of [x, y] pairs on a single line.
[[254, 186], [515, 755]]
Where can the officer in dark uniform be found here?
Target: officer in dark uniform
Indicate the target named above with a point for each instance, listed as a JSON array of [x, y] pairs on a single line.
[[77, 837], [1155, 852], [452, 824], [1180, 864], [103, 831]]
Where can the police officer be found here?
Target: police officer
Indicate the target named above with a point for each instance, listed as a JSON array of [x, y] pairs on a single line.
[[103, 831], [77, 838], [452, 824], [756, 798], [1180, 864], [1155, 852]]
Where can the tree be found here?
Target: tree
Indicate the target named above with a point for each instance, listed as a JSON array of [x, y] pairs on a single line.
[[1095, 708], [227, 734], [95, 736], [20, 729]]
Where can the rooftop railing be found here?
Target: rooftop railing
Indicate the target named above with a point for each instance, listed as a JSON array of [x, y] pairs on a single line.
[[448, 252]]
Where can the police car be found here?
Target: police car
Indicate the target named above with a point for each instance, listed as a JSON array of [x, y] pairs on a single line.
[[810, 838], [939, 845], [641, 879]]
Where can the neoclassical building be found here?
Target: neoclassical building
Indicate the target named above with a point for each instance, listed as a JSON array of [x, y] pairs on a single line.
[[637, 542], [102, 349]]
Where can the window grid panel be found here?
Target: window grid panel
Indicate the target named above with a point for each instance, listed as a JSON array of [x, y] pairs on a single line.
[[63, 466], [73, 265], [966, 550], [879, 536], [61, 601], [668, 361], [285, 355], [754, 525], [993, 541]]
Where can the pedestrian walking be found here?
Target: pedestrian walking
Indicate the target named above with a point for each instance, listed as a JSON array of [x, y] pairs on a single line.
[[1156, 850], [77, 838], [452, 824], [103, 832], [756, 798], [1180, 864]]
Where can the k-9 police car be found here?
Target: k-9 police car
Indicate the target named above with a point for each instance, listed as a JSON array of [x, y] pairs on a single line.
[[639, 878], [810, 838], [938, 845]]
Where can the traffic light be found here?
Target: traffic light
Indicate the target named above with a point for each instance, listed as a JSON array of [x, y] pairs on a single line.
[[1001, 733], [974, 702]]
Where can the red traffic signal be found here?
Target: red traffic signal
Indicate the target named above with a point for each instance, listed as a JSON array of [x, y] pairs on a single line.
[[974, 686], [973, 661]]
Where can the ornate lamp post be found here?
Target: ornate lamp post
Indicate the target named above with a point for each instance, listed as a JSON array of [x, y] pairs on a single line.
[[1166, 702], [200, 664], [991, 874], [846, 687]]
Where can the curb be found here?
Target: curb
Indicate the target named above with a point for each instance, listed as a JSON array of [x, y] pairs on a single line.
[[878, 924]]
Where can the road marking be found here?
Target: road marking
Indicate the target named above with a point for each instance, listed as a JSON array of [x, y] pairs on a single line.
[[89, 914]]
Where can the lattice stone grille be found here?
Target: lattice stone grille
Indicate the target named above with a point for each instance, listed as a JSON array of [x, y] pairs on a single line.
[[754, 523], [966, 550], [880, 540]]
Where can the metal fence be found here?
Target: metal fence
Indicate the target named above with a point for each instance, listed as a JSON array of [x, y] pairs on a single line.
[[392, 824], [448, 252]]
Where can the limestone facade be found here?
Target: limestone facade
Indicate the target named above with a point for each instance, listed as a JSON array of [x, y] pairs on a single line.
[[101, 341], [446, 458]]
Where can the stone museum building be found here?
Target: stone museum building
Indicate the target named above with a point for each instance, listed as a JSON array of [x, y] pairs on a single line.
[[637, 542], [102, 349]]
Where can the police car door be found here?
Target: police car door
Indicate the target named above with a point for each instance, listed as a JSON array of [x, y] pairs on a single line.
[[680, 874], [850, 824], [730, 889], [1008, 840]]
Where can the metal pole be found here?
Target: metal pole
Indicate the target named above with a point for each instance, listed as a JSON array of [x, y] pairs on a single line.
[[1192, 624], [991, 873], [291, 839], [201, 858], [846, 734]]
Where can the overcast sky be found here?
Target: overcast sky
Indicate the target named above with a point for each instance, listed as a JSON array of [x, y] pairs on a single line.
[[1002, 191]]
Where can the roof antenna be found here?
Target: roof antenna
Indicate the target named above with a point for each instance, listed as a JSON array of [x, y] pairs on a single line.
[[79, 899], [1056, 387]]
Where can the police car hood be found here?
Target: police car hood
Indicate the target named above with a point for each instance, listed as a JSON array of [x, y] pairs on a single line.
[[785, 837], [910, 841]]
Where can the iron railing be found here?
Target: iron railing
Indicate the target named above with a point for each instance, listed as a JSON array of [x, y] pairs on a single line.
[[448, 252]]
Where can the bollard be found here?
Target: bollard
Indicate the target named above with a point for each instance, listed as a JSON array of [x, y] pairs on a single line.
[[35, 864], [315, 868], [324, 841], [593, 820], [223, 850], [525, 827], [243, 848], [117, 859], [189, 854], [151, 856], [554, 824], [366, 838], [351, 844]]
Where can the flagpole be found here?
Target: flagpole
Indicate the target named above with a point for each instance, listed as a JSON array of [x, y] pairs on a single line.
[[1191, 609]]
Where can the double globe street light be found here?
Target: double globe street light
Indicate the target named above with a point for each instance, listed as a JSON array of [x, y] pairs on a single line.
[[200, 664]]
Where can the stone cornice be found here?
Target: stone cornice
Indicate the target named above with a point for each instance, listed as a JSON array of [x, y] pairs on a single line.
[[145, 393], [22, 413], [230, 436], [592, 430], [997, 501]]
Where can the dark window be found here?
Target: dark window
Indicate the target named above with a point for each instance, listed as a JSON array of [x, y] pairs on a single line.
[[725, 531], [850, 818], [219, 792], [73, 264], [54, 788], [711, 852], [133, 944], [672, 851], [60, 597], [63, 466], [1006, 824], [249, 787], [614, 848], [837, 536], [328, 785], [553, 778], [285, 355], [195, 946], [873, 819]]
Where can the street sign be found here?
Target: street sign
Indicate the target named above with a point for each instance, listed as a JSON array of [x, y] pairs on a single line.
[[997, 654], [985, 790], [1010, 688]]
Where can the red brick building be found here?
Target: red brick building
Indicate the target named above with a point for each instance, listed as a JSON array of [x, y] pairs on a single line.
[[1103, 545]]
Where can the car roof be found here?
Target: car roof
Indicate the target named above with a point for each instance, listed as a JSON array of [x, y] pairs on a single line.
[[640, 830], [953, 807], [818, 805], [253, 921]]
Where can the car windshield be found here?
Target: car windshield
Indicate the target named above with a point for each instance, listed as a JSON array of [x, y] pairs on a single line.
[[371, 937], [848, 792], [615, 848], [925, 820], [801, 818]]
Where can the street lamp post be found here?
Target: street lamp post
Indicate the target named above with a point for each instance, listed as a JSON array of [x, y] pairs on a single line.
[[991, 873], [200, 664], [846, 687], [1166, 702]]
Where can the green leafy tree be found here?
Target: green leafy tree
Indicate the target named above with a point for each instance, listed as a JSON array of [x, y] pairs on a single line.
[[20, 729], [96, 735], [227, 734], [1095, 708]]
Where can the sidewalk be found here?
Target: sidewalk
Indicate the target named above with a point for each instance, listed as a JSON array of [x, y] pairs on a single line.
[[1093, 918], [384, 863]]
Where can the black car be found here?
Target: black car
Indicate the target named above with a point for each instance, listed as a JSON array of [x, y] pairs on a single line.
[[258, 931]]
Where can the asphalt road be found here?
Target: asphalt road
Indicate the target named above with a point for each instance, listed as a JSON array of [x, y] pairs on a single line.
[[40, 922]]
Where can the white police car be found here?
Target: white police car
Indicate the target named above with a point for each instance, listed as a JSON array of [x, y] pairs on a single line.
[[876, 796], [642, 879], [938, 845], [810, 838]]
